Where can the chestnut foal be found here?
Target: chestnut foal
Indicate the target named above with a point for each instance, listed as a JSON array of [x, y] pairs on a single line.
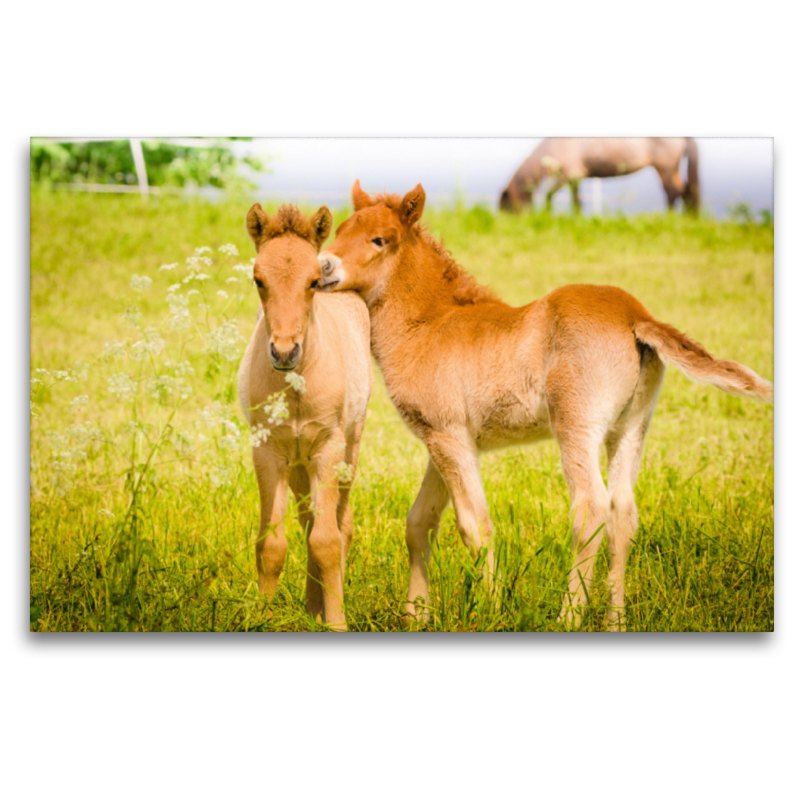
[[468, 373], [324, 339]]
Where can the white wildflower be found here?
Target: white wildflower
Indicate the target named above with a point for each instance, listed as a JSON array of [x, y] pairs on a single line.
[[229, 250], [113, 349], [276, 409], [174, 288], [344, 472], [297, 382], [140, 283], [225, 341], [34, 409], [232, 280], [204, 307], [104, 512], [42, 371], [121, 385], [81, 370], [200, 250], [191, 292], [132, 316], [164, 267], [220, 476], [243, 268], [79, 402], [222, 294], [151, 344], [63, 375], [258, 434], [36, 380], [194, 264]]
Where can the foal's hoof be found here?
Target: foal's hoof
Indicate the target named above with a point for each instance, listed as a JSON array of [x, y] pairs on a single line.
[[570, 618], [415, 616]]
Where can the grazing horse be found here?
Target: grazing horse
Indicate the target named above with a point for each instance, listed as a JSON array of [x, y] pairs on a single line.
[[325, 340], [469, 373], [572, 160]]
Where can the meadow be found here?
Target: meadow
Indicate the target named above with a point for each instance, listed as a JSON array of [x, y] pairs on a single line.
[[143, 505]]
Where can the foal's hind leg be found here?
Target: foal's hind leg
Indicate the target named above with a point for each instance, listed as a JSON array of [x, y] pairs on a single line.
[[456, 457], [624, 445], [580, 460], [422, 528]]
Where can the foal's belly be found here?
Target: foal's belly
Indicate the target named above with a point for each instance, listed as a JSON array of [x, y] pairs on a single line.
[[514, 425]]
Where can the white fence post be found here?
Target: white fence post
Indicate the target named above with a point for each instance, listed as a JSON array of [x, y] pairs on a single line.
[[597, 197], [141, 168]]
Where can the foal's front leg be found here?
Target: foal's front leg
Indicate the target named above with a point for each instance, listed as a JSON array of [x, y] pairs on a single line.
[[271, 544], [325, 545]]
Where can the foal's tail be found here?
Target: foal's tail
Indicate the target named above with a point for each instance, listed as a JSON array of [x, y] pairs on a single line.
[[698, 364], [691, 196]]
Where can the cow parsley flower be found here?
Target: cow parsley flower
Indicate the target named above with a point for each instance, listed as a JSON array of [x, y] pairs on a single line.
[[200, 250], [224, 341], [229, 250], [140, 283], [121, 385], [231, 280], [164, 267], [258, 435], [79, 402], [344, 472], [297, 382], [222, 294]]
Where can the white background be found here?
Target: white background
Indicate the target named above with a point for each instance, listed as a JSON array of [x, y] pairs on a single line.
[[394, 716]]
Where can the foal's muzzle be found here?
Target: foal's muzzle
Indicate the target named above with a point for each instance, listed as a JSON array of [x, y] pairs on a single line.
[[331, 268], [285, 361]]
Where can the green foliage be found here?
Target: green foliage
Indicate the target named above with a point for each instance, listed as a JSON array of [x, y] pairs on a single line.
[[135, 528], [112, 163]]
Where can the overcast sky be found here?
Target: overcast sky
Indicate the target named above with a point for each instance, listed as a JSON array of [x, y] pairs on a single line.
[[322, 170]]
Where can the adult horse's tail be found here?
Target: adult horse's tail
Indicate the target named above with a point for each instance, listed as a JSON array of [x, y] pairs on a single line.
[[691, 195]]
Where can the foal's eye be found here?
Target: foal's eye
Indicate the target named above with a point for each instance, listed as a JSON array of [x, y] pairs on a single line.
[[259, 283], [379, 241], [314, 284]]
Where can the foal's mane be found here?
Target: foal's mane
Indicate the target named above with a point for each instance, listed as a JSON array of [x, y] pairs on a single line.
[[465, 289], [289, 219]]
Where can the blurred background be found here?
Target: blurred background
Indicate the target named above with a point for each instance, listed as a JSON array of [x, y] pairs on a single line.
[[736, 174]]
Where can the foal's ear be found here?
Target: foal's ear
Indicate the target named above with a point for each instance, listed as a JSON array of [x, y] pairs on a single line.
[[360, 197], [321, 224], [413, 203], [257, 224]]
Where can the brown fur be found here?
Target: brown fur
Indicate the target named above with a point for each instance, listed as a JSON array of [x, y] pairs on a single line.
[[583, 364]]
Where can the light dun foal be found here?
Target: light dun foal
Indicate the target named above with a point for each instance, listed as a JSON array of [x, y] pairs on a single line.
[[469, 373], [324, 339]]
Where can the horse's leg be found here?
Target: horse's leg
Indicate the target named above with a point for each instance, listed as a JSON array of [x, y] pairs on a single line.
[[422, 528], [325, 541], [624, 446], [271, 544], [558, 182], [301, 486], [456, 457], [673, 185], [344, 514], [574, 186], [580, 461]]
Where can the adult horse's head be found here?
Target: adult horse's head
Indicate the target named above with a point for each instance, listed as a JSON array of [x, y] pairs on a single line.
[[367, 244], [286, 274]]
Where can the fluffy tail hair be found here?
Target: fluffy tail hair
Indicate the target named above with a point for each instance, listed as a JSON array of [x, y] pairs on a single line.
[[698, 364]]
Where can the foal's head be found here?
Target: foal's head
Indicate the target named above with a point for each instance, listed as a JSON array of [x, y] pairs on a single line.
[[286, 274], [367, 243]]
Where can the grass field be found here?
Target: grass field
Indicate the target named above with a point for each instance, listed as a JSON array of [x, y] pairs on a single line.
[[144, 508]]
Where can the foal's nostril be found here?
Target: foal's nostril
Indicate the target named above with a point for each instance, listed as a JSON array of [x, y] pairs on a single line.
[[295, 353], [273, 351]]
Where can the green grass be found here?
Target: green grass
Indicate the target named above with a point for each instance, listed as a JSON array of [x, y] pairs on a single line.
[[177, 554]]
